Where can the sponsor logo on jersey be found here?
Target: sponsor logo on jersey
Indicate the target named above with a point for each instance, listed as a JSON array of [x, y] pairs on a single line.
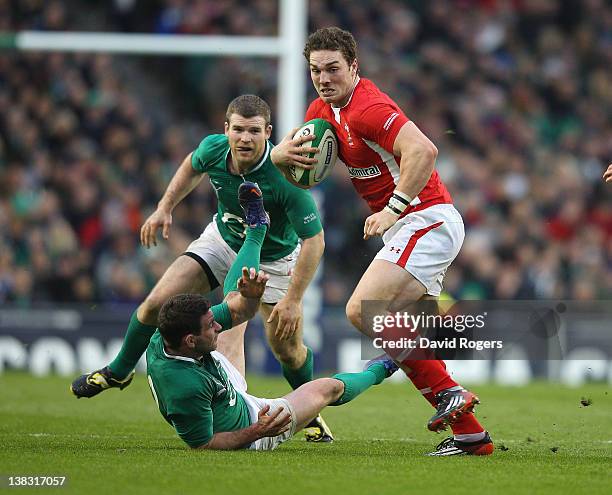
[[364, 173], [309, 218]]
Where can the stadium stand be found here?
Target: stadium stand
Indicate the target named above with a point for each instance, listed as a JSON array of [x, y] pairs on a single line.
[[516, 95]]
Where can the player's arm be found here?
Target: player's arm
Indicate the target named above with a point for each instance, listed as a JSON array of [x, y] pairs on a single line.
[[268, 425], [241, 304], [289, 309], [607, 176], [192, 417], [195, 427], [417, 158], [306, 266], [184, 181], [305, 219]]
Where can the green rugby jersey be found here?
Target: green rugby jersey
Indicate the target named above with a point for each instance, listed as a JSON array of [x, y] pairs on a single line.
[[293, 213], [195, 397]]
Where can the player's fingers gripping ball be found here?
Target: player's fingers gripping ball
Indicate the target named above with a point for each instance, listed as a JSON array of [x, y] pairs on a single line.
[[327, 152]]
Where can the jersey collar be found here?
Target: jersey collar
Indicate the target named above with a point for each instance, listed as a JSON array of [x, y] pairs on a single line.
[[259, 164], [180, 358], [350, 98]]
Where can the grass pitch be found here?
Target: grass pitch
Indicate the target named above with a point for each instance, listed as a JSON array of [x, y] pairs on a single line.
[[547, 442]]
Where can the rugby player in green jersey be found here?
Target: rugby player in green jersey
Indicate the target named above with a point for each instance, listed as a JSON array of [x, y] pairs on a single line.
[[203, 395], [241, 153]]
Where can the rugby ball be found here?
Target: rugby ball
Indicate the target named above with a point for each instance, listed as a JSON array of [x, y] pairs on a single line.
[[327, 145]]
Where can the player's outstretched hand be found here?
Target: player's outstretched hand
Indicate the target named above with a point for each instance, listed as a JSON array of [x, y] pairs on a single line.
[[288, 314], [289, 152], [378, 223], [271, 425], [148, 232], [252, 284], [607, 176]]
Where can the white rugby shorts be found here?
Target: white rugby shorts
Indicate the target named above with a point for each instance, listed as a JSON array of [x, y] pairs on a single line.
[[425, 243], [255, 404], [216, 253]]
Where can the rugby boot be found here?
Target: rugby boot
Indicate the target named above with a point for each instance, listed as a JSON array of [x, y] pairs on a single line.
[[251, 201], [450, 405], [318, 431], [97, 381], [450, 446]]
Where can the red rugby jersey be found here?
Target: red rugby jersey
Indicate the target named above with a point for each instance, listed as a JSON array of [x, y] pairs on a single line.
[[366, 128]]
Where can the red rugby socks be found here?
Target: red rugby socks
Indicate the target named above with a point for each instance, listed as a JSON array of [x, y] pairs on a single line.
[[431, 377]]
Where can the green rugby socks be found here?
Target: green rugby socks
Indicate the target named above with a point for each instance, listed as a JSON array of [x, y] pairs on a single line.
[[301, 375], [134, 345], [247, 256], [356, 383]]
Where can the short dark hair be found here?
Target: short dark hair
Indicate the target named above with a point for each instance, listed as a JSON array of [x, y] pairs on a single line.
[[332, 38], [248, 106], [180, 315]]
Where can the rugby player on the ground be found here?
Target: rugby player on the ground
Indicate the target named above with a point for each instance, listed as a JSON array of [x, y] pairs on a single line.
[[196, 381]]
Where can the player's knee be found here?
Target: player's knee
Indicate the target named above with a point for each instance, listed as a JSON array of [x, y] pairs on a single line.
[[331, 389], [286, 353], [353, 312]]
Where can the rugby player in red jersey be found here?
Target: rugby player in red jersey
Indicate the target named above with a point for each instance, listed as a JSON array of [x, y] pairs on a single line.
[[391, 164]]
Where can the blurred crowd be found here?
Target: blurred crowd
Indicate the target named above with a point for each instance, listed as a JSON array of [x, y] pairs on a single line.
[[516, 95]]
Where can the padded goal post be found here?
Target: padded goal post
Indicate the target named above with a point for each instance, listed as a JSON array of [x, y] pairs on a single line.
[[287, 47], [291, 98]]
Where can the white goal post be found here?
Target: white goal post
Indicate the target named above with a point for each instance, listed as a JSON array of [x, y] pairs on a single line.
[[288, 46], [291, 98]]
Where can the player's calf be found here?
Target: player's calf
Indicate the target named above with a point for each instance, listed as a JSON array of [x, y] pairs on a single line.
[[290, 353], [323, 391], [353, 312]]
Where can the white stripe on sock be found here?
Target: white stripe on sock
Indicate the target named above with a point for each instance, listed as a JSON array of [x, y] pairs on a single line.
[[470, 437]]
